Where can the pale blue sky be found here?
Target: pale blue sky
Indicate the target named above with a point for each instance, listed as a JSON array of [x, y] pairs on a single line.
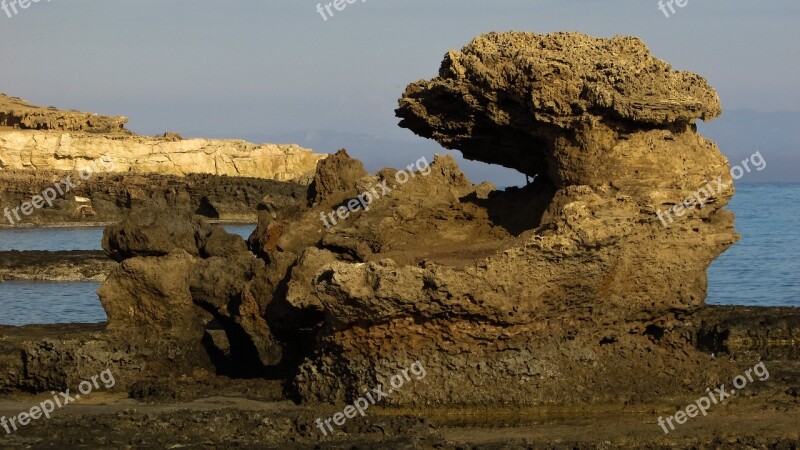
[[266, 67]]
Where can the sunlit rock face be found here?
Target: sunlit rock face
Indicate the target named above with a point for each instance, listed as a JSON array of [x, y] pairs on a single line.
[[570, 289], [37, 138], [586, 292], [521, 99]]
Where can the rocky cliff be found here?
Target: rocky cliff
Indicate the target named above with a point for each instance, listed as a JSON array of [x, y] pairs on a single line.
[[34, 138], [114, 171], [16, 113], [72, 151]]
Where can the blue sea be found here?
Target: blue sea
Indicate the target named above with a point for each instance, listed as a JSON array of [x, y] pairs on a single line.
[[30, 302], [760, 270]]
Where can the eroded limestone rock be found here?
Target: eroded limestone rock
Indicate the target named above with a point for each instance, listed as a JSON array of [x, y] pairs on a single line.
[[515, 98], [569, 289], [36, 138], [565, 305], [19, 114], [179, 277], [72, 151]]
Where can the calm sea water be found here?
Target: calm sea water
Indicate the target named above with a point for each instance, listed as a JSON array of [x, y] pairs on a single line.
[[761, 269], [25, 302]]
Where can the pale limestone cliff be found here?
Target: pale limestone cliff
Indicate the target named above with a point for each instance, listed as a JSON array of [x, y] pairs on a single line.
[[38, 149], [38, 138]]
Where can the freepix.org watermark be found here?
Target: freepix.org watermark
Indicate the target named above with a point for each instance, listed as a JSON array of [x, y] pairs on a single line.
[[59, 401], [362, 403], [367, 197], [59, 189], [702, 404], [338, 5], [9, 6], [702, 195], [662, 5]]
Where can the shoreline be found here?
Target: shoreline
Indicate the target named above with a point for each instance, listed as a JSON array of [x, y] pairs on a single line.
[[258, 414], [3, 226], [55, 266]]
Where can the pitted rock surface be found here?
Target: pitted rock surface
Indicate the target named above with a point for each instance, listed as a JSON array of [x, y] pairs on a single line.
[[506, 97], [567, 290]]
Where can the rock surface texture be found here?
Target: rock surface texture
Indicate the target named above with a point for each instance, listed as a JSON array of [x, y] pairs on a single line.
[[112, 171], [110, 197], [35, 138], [19, 114], [567, 290], [72, 151]]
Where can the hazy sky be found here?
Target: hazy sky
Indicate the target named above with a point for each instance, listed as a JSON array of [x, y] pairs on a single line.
[[243, 67]]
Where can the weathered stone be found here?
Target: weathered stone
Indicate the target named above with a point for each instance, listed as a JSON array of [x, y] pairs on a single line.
[[194, 277], [35, 138], [585, 267], [149, 294], [569, 289], [335, 176], [114, 196], [73, 151], [19, 114], [512, 98]]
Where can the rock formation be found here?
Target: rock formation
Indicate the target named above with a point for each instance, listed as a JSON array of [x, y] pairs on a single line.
[[112, 196], [220, 179], [35, 138], [18, 114], [190, 281], [72, 151], [569, 289], [577, 294]]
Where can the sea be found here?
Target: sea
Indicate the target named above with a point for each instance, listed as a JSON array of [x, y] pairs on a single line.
[[760, 270]]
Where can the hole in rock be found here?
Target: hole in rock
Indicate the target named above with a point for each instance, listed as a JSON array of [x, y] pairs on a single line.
[[231, 351], [519, 200], [608, 340], [481, 223], [655, 331], [206, 209], [713, 340]]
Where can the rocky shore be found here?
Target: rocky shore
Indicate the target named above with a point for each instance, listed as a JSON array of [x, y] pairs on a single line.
[[562, 314], [74, 265], [107, 198], [213, 410], [36, 138], [45, 149]]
